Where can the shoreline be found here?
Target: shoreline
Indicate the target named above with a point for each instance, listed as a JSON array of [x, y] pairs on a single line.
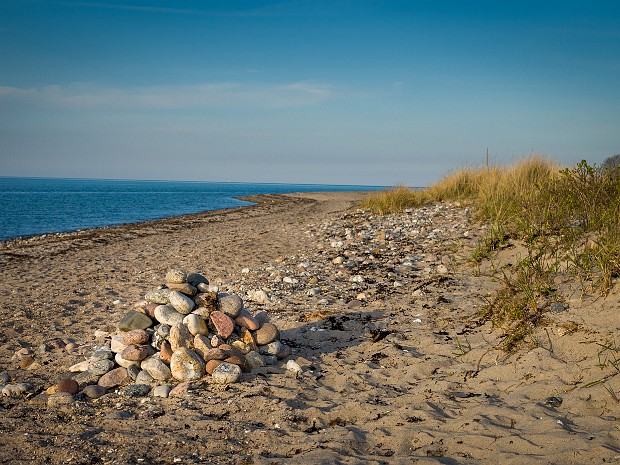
[[136, 224], [381, 314]]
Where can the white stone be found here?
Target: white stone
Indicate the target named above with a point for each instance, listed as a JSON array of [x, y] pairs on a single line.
[[226, 373], [293, 367], [117, 344], [195, 324], [156, 368], [167, 315], [124, 363], [181, 302]]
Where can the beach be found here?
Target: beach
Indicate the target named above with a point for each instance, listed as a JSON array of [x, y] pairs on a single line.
[[382, 315]]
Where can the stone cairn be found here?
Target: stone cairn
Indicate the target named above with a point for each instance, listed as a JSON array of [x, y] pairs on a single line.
[[180, 333]]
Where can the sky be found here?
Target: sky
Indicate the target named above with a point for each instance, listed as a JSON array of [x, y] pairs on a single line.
[[363, 92]]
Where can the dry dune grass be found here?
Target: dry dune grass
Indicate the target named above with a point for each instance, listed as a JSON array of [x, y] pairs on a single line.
[[568, 219]]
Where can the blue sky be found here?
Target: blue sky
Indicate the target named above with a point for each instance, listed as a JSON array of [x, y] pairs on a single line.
[[303, 91]]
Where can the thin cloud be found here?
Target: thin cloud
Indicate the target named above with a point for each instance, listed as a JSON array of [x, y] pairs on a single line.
[[205, 95], [130, 7]]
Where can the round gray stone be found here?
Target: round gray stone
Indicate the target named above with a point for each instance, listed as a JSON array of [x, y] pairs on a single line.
[[226, 373], [230, 305]]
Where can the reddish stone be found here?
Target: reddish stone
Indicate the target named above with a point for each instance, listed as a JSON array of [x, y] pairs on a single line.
[[114, 378], [150, 309], [180, 390], [135, 353], [223, 323], [212, 365], [69, 385], [246, 320], [214, 354], [136, 336]]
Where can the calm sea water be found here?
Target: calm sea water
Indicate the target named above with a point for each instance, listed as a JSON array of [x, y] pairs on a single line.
[[32, 206]]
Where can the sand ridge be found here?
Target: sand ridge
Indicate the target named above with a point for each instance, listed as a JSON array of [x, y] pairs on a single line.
[[382, 314]]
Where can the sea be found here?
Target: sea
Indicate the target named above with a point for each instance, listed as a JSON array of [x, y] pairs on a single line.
[[36, 206]]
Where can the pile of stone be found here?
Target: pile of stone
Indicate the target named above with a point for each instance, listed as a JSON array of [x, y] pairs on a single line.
[[180, 333]]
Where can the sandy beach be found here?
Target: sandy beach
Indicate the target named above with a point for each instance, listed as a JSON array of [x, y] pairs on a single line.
[[381, 313]]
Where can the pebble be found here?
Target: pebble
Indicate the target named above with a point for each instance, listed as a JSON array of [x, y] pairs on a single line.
[[197, 278], [124, 362], [223, 324], [180, 390], [202, 287], [266, 334], [226, 373], [212, 365], [102, 353], [143, 377], [181, 302], [557, 307], [246, 320], [86, 378], [100, 366], [134, 353], [158, 296], [180, 337], [113, 378], [134, 320], [201, 345], [133, 371], [165, 354], [254, 360], [135, 390], [117, 343], [176, 276], [262, 317], [214, 354], [159, 335], [230, 305], [156, 368], [68, 385], [94, 391], [185, 365], [293, 367], [161, 391], [16, 390], [136, 336], [196, 325], [167, 315], [270, 349], [26, 362], [184, 288], [442, 269], [553, 401], [259, 296]]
